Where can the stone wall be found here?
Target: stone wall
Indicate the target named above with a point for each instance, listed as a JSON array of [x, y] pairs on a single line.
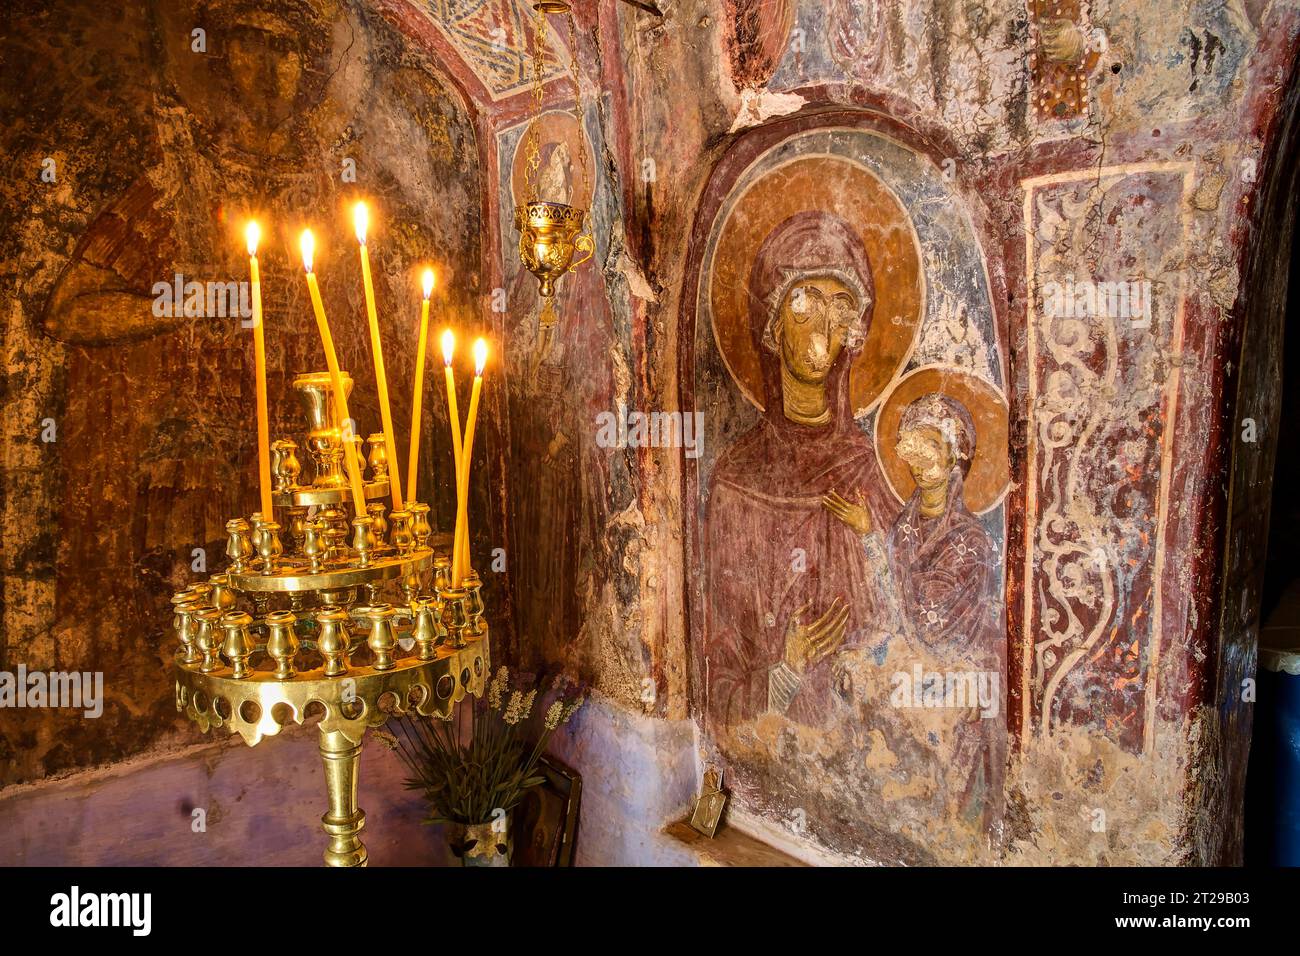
[[1125, 145], [1046, 216], [129, 437]]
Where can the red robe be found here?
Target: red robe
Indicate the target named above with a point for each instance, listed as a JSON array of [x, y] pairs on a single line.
[[764, 504], [771, 548], [943, 572]]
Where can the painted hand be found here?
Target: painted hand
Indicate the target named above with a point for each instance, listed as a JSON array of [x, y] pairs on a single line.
[[856, 516], [1063, 42], [806, 644], [555, 447]]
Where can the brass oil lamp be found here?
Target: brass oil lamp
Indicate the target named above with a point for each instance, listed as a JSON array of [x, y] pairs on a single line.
[[551, 232]]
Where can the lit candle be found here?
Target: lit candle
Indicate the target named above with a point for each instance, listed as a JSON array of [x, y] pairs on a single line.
[[361, 219], [462, 516], [308, 245], [448, 351], [253, 234], [413, 474]]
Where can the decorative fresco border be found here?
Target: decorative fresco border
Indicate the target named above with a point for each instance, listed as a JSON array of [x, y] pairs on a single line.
[[1093, 392], [493, 38]]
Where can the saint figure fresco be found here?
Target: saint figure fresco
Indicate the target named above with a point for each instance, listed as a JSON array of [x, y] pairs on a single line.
[[779, 613], [558, 382], [849, 531], [937, 576]]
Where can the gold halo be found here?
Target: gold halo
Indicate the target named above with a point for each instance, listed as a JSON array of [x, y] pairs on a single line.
[[850, 190], [553, 128], [989, 478]]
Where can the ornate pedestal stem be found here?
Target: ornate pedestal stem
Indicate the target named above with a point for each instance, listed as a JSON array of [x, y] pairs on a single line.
[[345, 819]]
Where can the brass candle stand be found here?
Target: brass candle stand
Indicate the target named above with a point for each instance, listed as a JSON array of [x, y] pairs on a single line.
[[334, 607]]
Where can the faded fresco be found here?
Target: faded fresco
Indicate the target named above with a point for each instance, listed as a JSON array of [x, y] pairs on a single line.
[[852, 316], [850, 635], [288, 116], [493, 40], [562, 373], [1103, 390], [1000, 72]]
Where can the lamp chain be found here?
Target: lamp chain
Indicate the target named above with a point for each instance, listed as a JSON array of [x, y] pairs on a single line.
[[534, 151], [533, 154]]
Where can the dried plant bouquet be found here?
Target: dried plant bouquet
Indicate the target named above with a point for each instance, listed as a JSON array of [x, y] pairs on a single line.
[[468, 774]]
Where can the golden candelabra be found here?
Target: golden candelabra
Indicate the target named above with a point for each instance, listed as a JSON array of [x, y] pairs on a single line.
[[356, 616]]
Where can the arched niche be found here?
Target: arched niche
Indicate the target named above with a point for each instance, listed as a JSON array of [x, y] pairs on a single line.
[[842, 220]]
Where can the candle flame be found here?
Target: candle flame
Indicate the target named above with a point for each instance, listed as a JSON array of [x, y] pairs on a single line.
[[448, 346], [307, 243], [361, 220], [252, 235], [480, 356], [428, 283]]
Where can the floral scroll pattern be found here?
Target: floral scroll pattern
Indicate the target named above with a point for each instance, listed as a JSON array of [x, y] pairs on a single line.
[[1102, 394]]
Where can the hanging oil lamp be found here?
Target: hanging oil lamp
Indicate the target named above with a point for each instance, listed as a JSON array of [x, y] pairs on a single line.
[[551, 232]]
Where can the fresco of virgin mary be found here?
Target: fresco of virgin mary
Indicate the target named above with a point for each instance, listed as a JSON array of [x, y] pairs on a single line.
[[788, 583], [820, 306]]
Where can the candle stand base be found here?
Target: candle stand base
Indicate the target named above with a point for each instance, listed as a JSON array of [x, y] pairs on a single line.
[[260, 705]]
